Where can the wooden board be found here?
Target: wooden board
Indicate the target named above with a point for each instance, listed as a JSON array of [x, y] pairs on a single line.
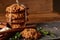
[[44, 17], [38, 17]]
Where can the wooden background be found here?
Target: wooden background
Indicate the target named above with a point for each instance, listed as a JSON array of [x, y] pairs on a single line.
[[35, 6], [39, 10]]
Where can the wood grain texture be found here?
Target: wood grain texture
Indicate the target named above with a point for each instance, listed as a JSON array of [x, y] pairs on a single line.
[[40, 18]]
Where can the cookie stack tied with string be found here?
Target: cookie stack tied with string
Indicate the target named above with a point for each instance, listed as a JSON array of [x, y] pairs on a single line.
[[16, 15]]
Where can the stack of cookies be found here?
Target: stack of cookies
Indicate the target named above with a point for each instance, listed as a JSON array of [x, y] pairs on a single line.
[[16, 15]]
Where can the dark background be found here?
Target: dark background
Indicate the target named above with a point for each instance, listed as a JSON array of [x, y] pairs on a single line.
[[56, 6]]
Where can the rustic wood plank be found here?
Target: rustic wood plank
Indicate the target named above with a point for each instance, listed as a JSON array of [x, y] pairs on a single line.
[[38, 18]]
